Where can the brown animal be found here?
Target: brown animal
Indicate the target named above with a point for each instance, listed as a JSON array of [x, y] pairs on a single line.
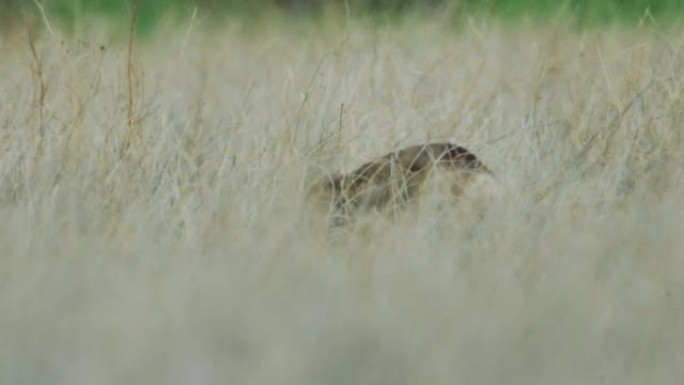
[[395, 179]]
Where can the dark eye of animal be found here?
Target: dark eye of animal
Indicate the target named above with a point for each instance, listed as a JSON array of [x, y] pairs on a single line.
[[470, 158]]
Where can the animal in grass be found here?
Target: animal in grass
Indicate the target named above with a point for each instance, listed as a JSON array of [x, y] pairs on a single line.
[[395, 179]]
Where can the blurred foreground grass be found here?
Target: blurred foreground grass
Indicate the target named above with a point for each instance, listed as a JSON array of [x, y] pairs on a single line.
[[152, 217]]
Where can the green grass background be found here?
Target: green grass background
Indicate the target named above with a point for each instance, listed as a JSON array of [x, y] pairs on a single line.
[[582, 13]]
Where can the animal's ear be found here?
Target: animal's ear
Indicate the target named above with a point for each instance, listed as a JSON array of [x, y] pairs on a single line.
[[453, 152], [465, 157], [459, 153]]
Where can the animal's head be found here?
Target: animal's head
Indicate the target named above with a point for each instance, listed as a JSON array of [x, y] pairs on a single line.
[[461, 158]]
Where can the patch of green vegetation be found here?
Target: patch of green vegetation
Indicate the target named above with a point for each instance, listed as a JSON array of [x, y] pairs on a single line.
[[149, 12]]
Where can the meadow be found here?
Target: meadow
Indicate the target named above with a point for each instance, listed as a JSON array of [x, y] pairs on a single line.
[[154, 228]]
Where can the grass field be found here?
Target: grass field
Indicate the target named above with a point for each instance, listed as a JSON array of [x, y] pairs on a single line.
[[151, 203]]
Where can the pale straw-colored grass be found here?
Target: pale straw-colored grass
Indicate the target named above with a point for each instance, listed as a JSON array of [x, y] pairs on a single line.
[[174, 250]]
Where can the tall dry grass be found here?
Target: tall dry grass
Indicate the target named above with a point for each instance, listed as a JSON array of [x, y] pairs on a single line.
[[152, 227]]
